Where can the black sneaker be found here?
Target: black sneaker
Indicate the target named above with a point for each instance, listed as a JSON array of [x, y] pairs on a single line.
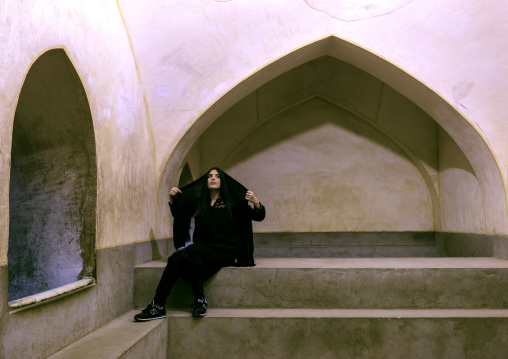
[[199, 308], [151, 312]]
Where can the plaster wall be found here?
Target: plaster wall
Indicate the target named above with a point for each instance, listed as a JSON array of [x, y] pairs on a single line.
[[270, 30], [238, 136], [96, 42], [461, 200], [317, 168], [314, 177], [190, 57], [95, 39]]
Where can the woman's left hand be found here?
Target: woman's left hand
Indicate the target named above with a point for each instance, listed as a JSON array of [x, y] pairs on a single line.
[[251, 197]]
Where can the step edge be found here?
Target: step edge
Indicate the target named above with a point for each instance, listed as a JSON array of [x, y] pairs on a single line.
[[365, 263], [343, 313]]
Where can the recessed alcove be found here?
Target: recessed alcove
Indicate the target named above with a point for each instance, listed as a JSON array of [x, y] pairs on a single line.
[[53, 181], [334, 149]]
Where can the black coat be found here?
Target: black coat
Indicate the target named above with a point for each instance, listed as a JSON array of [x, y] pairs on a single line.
[[184, 208]]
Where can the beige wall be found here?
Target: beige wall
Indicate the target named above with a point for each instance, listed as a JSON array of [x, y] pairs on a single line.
[[330, 148], [96, 41], [461, 200], [190, 54], [416, 48], [317, 168], [278, 132]]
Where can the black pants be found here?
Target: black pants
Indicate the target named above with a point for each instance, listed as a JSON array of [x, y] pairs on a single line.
[[194, 274]]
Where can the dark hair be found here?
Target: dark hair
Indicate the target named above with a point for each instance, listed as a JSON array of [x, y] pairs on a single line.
[[204, 199]]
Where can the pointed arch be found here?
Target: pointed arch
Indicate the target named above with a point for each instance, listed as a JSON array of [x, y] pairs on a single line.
[[471, 142], [53, 180]]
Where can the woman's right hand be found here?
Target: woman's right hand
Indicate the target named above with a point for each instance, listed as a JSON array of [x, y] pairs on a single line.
[[173, 192]]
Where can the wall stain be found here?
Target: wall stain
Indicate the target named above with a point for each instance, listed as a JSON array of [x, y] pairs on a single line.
[[460, 92], [356, 10]]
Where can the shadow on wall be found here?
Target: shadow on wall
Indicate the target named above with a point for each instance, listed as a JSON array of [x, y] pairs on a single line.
[[53, 180], [320, 168], [278, 127]]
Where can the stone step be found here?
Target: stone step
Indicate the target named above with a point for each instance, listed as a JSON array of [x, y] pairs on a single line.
[[349, 251], [121, 338], [346, 244], [344, 283], [335, 333]]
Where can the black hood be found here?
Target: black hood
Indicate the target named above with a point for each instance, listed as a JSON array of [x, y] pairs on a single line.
[[192, 191]]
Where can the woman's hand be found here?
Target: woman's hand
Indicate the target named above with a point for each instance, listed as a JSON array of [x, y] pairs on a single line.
[[172, 192], [251, 197]]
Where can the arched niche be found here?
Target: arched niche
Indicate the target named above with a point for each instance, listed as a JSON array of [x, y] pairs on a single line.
[[185, 176], [451, 122], [53, 180]]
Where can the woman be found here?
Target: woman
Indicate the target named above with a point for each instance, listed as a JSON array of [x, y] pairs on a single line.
[[222, 236]]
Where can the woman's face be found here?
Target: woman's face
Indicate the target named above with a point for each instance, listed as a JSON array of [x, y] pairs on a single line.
[[213, 180]]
